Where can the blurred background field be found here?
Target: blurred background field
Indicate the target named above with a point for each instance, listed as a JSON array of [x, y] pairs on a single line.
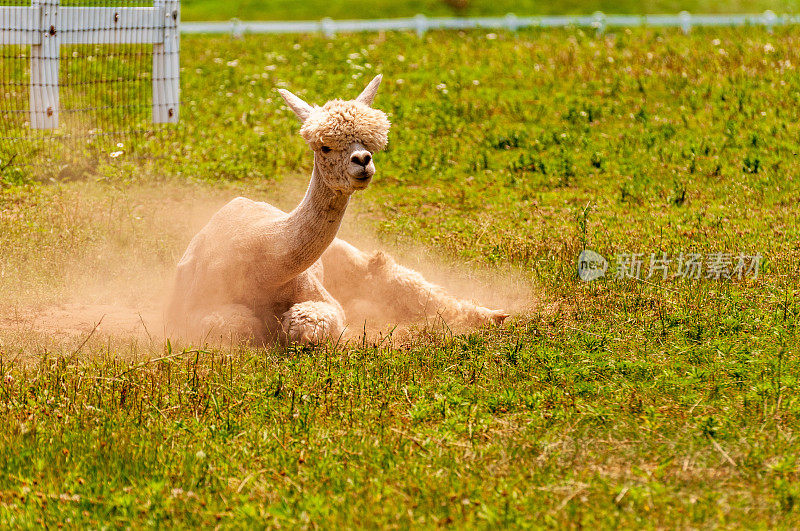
[[343, 9]]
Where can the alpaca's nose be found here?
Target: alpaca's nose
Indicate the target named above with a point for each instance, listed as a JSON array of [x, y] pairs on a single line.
[[362, 158]]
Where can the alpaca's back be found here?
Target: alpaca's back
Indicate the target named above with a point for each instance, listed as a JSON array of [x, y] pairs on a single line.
[[219, 265]]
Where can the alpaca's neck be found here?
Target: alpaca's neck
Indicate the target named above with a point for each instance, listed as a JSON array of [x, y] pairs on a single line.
[[312, 226]]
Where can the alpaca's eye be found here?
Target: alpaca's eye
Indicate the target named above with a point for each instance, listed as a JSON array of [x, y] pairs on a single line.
[[326, 149]]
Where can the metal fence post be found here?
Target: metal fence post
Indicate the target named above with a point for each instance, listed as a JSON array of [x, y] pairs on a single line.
[[44, 67], [512, 22], [686, 21], [599, 22], [421, 23], [166, 66], [237, 29], [769, 20], [328, 27]]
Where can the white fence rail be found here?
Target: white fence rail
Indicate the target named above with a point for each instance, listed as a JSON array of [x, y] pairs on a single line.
[[421, 24], [45, 26]]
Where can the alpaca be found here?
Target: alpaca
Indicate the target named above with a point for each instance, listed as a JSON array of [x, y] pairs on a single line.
[[255, 273]]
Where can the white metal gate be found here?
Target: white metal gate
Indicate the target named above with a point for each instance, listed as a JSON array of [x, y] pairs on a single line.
[[48, 25]]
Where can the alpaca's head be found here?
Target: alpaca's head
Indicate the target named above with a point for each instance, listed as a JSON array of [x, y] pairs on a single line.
[[344, 136]]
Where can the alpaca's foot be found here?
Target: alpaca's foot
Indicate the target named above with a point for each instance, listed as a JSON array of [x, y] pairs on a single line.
[[480, 316], [233, 322], [312, 322]]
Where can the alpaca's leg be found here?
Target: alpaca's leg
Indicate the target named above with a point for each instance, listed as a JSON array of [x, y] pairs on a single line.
[[352, 274], [316, 316], [231, 322]]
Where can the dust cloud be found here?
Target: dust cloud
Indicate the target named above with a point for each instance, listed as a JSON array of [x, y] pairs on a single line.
[[103, 263]]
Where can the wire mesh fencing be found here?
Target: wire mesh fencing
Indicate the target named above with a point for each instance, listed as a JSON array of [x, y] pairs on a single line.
[[80, 75]]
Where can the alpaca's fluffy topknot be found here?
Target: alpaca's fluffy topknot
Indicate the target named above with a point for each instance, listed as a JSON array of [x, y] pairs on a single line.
[[339, 123]]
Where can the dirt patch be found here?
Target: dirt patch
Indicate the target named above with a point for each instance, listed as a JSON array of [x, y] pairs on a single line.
[[72, 319]]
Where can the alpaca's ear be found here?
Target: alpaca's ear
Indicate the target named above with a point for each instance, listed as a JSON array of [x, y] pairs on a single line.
[[300, 108], [368, 96]]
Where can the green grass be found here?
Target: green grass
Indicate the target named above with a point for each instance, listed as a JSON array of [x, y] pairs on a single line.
[[340, 9], [615, 403]]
